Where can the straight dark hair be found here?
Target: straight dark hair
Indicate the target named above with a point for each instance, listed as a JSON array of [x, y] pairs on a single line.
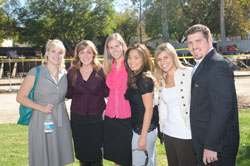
[[146, 66]]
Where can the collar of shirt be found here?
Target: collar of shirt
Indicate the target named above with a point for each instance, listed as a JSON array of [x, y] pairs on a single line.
[[200, 60]]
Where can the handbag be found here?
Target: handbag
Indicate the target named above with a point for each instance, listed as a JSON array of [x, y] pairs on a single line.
[[156, 115], [25, 112]]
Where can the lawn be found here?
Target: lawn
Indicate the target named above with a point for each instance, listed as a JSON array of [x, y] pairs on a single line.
[[14, 148]]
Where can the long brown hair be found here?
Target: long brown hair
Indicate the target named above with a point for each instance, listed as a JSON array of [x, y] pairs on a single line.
[[146, 65], [76, 62]]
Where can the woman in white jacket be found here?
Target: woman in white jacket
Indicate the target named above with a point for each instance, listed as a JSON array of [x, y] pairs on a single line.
[[174, 105]]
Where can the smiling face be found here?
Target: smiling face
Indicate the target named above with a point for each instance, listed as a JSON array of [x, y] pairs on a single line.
[[86, 56], [55, 55], [135, 61], [115, 50], [199, 45], [166, 62]]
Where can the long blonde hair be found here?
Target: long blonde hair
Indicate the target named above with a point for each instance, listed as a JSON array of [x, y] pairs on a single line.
[[170, 50], [77, 64], [108, 59], [58, 44]]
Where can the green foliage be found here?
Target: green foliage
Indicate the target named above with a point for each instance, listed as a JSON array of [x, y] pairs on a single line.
[[127, 25], [185, 13], [153, 20], [71, 21], [8, 23], [75, 20], [237, 17]]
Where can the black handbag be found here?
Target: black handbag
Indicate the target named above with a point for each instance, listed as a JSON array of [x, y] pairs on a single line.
[[156, 117]]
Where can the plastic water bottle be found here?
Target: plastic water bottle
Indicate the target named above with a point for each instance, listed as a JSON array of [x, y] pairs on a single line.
[[48, 124]]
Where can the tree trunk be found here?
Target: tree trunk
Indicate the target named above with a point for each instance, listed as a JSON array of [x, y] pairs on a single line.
[[140, 22], [164, 21], [222, 25]]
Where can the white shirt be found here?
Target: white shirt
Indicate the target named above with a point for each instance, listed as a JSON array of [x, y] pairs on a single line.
[[175, 125]]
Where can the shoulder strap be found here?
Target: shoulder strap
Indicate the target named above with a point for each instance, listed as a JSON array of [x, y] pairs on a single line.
[[37, 74]]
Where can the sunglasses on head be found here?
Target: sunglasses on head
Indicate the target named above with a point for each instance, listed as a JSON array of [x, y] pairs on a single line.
[[146, 154]]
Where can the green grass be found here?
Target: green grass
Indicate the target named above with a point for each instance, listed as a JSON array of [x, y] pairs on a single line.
[[14, 145], [243, 157]]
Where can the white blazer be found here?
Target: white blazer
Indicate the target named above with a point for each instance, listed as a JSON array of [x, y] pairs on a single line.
[[182, 79]]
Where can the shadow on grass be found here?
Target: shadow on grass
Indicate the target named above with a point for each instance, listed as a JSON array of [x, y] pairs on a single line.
[[243, 158]]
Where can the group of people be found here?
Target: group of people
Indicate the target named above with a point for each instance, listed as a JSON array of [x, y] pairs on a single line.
[[114, 106]]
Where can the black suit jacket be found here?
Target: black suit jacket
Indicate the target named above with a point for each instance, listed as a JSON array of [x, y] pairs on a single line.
[[214, 112]]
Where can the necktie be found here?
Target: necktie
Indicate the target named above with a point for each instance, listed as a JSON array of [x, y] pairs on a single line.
[[195, 67]]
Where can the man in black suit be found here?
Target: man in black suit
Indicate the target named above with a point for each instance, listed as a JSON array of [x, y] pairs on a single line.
[[213, 112]]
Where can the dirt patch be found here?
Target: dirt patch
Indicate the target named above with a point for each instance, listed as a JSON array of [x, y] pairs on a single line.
[[243, 92], [9, 107]]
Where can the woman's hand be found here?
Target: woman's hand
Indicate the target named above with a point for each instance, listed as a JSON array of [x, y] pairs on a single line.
[[142, 143], [150, 75], [48, 108]]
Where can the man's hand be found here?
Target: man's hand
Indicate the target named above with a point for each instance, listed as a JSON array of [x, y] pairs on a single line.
[[209, 156]]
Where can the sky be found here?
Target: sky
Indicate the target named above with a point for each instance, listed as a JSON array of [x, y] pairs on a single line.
[[121, 5]]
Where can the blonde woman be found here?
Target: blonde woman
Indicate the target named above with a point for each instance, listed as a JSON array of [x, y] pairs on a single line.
[[117, 124], [174, 105], [87, 89], [48, 149]]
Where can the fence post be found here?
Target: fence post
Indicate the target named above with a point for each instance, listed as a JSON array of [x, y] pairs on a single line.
[[1, 69]]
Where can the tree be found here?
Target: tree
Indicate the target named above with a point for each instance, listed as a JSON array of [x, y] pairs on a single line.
[[222, 21], [222, 24], [71, 20], [8, 23], [182, 14], [164, 20], [237, 17], [141, 6], [127, 25], [174, 23]]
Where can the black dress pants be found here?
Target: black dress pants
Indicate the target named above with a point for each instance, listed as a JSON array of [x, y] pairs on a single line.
[[179, 151]]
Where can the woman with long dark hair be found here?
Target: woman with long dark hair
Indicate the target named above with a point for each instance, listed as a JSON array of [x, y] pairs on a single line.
[[140, 96]]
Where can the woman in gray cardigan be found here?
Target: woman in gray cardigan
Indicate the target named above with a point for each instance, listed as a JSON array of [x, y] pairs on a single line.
[[174, 105]]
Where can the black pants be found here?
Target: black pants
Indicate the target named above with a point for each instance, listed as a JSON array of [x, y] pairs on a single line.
[[222, 161], [179, 151], [97, 163]]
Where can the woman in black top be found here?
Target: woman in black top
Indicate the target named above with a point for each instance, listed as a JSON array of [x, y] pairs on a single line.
[[140, 96]]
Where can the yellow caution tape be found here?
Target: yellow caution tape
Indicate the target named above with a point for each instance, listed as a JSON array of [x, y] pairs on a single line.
[[101, 59]]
